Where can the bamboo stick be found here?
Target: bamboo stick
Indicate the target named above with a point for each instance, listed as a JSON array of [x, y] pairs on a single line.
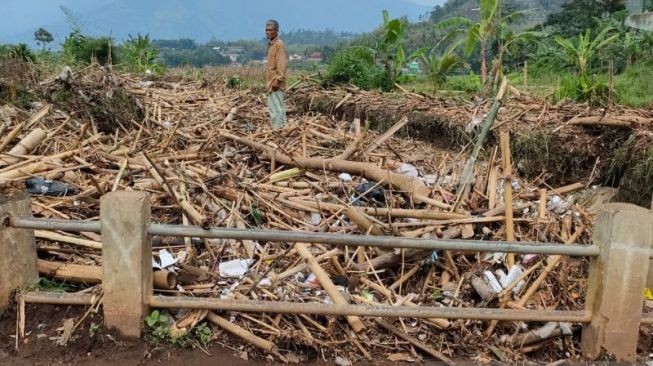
[[411, 186], [378, 212], [363, 223], [33, 119], [49, 235], [71, 272], [242, 333], [335, 295], [507, 172], [415, 342], [27, 144], [389, 133]]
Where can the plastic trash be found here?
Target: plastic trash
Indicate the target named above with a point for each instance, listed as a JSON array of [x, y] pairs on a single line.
[[377, 194], [430, 179], [234, 268], [513, 275], [166, 259], [492, 281], [408, 170], [345, 177], [316, 218], [515, 185], [558, 205], [42, 186]]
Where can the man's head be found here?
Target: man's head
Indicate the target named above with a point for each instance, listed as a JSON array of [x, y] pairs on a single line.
[[272, 29]]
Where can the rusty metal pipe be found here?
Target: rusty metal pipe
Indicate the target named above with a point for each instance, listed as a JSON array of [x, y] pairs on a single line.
[[323, 238], [367, 310]]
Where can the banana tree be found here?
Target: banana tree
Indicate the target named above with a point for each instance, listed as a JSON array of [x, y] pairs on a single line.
[[508, 43], [391, 46], [477, 33], [581, 53]]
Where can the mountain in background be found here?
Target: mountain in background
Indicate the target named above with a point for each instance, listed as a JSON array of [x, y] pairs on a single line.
[[538, 10], [200, 20]]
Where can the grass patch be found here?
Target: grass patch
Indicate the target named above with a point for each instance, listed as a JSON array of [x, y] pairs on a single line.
[[634, 87]]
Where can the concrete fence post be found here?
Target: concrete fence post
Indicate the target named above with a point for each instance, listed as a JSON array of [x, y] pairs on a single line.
[[617, 278], [18, 266], [126, 261]]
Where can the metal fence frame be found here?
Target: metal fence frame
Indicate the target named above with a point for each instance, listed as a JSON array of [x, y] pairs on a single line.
[[126, 229]]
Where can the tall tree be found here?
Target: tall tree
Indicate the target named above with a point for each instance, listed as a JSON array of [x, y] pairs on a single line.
[[478, 33], [43, 37], [579, 15]]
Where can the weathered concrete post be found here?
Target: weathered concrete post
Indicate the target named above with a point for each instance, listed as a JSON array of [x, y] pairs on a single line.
[[126, 261], [18, 266], [616, 281]]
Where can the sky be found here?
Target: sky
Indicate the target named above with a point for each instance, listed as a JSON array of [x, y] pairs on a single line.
[[101, 17]]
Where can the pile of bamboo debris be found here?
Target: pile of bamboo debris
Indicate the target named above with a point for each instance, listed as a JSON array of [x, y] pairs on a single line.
[[208, 157]]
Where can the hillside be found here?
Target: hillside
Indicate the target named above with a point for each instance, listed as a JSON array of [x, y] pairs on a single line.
[[539, 9], [203, 20]]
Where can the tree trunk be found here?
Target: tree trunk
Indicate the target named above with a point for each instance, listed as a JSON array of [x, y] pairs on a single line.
[[483, 64]]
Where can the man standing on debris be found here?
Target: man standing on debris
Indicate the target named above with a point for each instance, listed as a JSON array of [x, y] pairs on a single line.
[[276, 74]]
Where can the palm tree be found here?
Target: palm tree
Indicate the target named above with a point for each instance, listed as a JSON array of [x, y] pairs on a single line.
[[442, 66], [477, 33]]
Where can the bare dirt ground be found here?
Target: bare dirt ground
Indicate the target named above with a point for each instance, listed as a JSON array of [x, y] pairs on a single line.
[[39, 348]]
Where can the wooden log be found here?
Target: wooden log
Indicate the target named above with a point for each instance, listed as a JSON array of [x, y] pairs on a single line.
[[487, 124], [76, 273], [301, 267], [411, 186], [323, 277], [181, 201]]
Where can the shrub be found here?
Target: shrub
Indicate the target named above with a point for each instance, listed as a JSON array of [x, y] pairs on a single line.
[[78, 48], [139, 54], [583, 89], [354, 65], [470, 83], [22, 52]]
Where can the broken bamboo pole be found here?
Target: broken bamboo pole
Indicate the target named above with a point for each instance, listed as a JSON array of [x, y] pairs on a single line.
[[26, 145], [507, 187], [492, 115], [411, 186], [76, 273], [323, 277], [242, 333]]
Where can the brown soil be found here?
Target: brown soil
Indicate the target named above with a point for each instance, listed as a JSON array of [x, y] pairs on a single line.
[[38, 349]]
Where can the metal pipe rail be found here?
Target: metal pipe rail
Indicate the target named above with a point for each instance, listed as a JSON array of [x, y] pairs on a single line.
[[620, 254], [163, 302], [321, 238]]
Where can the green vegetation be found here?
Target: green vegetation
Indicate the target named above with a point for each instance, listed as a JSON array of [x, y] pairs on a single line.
[[355, 65], [81, 49], [140, 55], [22, 52], [157, 326], [43, 37]]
